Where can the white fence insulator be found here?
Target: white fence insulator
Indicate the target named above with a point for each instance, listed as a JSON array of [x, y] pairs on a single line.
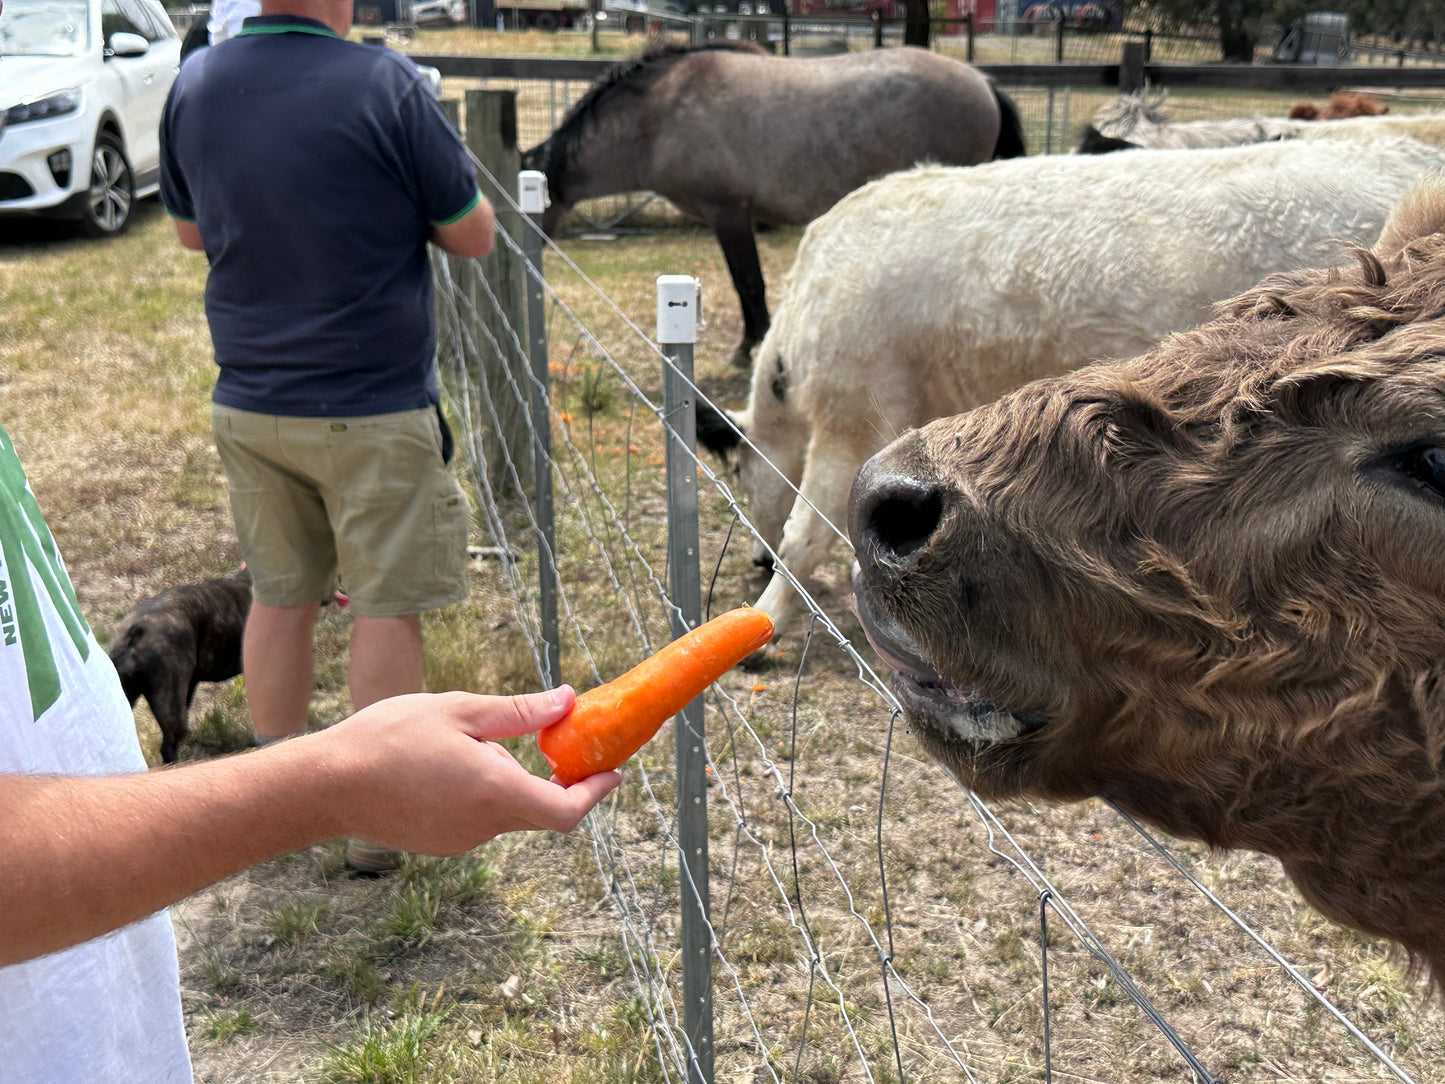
[[678, 299]]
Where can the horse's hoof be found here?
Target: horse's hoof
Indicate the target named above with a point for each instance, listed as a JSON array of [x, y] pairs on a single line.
[[743, 357]]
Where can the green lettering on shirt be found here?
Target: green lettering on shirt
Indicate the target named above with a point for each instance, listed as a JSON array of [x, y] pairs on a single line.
[[24, 539]]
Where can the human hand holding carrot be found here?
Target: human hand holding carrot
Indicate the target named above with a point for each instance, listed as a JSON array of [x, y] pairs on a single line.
[[610, 723], [424, 772]]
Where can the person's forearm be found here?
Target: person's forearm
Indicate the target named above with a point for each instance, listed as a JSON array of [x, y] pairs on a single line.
[[82, 856]]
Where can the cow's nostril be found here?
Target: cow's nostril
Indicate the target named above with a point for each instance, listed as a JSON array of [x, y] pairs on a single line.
[[903, 516]]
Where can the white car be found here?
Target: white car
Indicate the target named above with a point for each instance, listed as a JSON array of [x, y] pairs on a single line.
[[82, 87]]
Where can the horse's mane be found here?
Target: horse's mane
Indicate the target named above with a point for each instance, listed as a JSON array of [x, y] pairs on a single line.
[[633, 76], [1141, 108]]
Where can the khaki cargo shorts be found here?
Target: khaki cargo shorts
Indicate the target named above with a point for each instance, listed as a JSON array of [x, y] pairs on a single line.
[[364, 502]]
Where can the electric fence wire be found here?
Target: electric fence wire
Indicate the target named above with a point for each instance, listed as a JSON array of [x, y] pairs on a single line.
[[611, 857]]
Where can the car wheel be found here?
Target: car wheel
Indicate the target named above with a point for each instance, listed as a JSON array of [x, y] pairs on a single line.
[[112, 189]]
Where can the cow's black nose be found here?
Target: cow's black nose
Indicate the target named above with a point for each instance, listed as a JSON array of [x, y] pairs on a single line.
[[896, 515]]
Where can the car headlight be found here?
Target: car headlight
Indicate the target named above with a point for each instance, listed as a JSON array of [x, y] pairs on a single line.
[[52, 105]]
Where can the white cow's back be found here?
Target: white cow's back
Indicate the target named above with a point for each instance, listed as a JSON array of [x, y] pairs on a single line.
[[968, 281]]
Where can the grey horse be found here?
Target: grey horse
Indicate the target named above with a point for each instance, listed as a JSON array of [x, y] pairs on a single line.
[[737, 137]]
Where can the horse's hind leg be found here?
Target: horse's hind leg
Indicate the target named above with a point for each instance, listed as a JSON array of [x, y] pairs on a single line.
[[734, 230]]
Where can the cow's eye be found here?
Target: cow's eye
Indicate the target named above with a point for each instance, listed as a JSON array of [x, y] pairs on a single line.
[[1424, 465]]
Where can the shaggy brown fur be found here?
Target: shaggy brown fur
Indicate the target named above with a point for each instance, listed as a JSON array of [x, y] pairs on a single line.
[[1342, 104], [1207, 583]]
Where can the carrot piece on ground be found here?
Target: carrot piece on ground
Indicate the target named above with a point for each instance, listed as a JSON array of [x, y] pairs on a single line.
[[616, 719]]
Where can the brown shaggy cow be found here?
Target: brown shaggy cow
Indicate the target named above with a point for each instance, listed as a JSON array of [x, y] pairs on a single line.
[[1342, 105], [1207, 583]]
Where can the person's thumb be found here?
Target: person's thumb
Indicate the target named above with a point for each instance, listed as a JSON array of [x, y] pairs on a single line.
[[512, 716]]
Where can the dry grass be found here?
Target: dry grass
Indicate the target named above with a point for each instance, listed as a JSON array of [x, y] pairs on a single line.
[[505, 965]]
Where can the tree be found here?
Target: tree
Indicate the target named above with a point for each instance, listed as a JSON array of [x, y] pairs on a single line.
[[915, 22], [1240, 23], [1238, 31]]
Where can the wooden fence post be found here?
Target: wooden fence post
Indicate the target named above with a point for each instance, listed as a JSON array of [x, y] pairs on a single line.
[[446, 344], [491, 133]]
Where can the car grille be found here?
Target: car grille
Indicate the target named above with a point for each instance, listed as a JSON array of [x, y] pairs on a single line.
[[14, 186]]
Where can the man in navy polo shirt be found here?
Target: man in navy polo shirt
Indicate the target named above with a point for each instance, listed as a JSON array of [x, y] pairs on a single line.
[[313, 172]]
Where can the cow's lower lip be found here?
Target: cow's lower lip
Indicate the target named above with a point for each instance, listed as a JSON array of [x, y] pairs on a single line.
[[953, 712]]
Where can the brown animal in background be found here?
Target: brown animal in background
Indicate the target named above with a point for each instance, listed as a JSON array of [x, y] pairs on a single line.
[[173, 641], [1347, 103], [1342, 105], [1207, 583], [737, 137]]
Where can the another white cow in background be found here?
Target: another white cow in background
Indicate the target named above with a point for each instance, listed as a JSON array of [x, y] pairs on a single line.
[[1137, 121], [929, 292]]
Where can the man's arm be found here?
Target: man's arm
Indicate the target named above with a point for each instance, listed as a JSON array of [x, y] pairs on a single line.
[[471, 235], [189, 233], [82, 856]]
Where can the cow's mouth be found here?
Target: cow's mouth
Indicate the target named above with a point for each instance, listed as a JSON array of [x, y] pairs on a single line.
[[951, 712]]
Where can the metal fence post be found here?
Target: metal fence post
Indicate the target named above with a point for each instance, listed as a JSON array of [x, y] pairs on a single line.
[[532, 197], [677, 300]]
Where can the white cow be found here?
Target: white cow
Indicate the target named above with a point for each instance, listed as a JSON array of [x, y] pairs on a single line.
[[931, 291], [1133, 123]]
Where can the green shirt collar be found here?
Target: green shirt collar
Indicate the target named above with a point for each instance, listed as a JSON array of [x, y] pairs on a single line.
[[284, 24]]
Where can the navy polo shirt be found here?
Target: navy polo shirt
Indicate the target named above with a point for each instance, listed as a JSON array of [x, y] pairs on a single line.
[[315, 169]]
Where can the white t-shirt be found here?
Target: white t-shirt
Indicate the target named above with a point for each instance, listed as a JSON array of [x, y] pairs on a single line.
[[107, 1011], [227, 16]]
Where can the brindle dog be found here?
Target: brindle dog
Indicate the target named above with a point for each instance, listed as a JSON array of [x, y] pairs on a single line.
[[174, 640], [1207, 584]]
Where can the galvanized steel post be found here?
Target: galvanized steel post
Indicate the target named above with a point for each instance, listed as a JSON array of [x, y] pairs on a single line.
[[532, 197], [677, 304]]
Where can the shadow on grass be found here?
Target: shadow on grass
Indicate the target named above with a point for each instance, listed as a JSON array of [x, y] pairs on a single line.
[[18, 234]]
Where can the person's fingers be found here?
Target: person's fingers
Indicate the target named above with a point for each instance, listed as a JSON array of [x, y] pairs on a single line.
[[488, 717], [558, 809], [594, 788]]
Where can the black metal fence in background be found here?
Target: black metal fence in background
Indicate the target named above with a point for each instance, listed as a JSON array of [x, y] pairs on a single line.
[[1055, 99]]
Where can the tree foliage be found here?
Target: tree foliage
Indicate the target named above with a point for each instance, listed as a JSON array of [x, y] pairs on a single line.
[[1243, 24]]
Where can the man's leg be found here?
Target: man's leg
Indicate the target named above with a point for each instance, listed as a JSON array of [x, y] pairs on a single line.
[[386, 659], [276, 656]]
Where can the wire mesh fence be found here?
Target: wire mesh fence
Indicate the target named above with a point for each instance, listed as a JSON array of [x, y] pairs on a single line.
[[868, 920]]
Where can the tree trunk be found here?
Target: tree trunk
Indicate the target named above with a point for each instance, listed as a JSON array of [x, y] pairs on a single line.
[[915, 23], [1236, 37]]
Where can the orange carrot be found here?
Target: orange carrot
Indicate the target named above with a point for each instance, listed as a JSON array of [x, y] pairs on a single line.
[[611, 722]]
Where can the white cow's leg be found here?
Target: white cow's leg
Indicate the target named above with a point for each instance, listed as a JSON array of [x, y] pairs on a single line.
[[809, 532]]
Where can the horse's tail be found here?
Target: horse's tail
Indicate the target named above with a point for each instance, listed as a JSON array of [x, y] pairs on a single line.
[[1093, 141], [1010, 142]]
